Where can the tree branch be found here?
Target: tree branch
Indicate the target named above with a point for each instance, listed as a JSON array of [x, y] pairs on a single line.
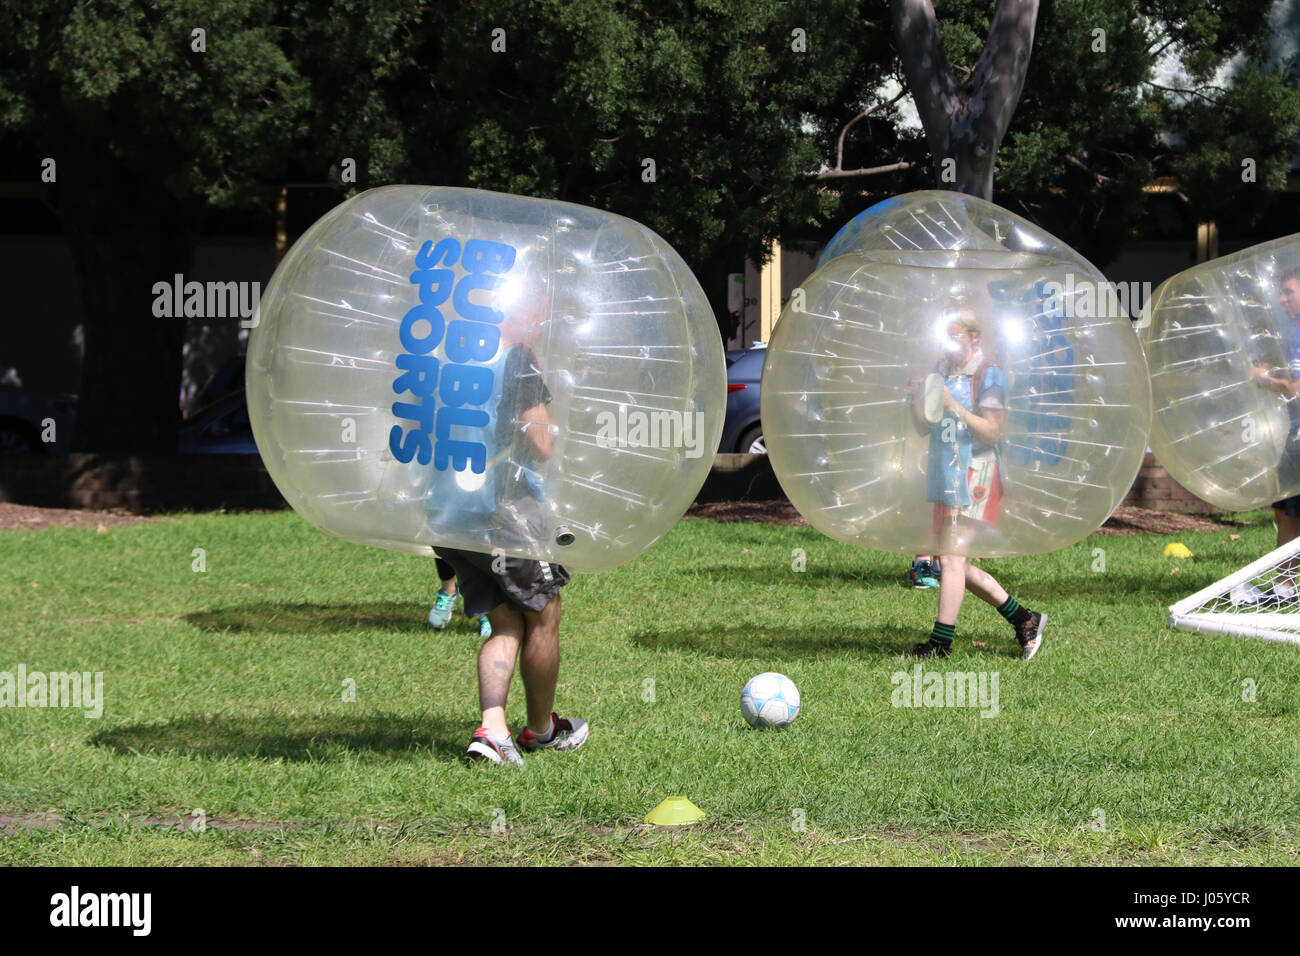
[[1191, 92], [873, 171], [1078, 162], [839, 151]]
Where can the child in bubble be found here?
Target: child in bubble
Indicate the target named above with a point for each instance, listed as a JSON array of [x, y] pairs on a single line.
[[1286, 513], [520, 597], [964, 483]]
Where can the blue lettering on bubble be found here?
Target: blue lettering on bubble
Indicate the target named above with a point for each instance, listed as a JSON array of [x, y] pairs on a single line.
[[465, 385], [416, 344], [459, 382], [454, 452], [472, 341], [469, 310], [484, 256], [1053, 380], [445, 253], [420, 375]]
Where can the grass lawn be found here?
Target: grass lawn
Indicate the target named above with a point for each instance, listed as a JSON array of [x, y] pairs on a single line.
[[224, 691]]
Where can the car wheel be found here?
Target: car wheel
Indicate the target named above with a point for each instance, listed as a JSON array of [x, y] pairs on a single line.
[[752, 441]]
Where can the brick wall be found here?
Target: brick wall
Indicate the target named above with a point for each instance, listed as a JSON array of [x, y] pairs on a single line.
[[1154, 489]]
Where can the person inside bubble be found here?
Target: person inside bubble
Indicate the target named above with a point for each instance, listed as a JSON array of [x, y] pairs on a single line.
[[1286, 513], [519, 596], [965, 421], [444, 602]]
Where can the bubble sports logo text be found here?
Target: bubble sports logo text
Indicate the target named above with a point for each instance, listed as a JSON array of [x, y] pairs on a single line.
[[473, 339]]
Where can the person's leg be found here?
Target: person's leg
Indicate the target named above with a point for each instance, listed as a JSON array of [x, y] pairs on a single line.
[[1288, 526], [496, 666], [539, 664], [952, 587], [984, 586], [447, 575], [444, 602], [1287, 519]]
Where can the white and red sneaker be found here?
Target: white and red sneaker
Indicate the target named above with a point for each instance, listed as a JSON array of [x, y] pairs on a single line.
[[485, 746], [566, 734]]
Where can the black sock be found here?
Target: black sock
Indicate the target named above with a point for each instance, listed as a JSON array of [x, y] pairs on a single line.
[[943, 634], [1013, 611]]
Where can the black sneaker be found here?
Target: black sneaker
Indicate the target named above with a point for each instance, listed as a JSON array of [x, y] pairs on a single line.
[[1030, 634], [929, 649]]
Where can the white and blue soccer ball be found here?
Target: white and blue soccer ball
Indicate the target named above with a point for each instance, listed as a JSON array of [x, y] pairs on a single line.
[[770, 700]]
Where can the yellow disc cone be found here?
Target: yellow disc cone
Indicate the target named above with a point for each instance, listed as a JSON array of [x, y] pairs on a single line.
[[675, 812], [1177, 550]]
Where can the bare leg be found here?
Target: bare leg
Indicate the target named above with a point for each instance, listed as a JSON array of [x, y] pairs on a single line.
[[1288, 529], [449, 587], [496, 665], [984, 586], [959, 576], [540, 663], [952, 587]]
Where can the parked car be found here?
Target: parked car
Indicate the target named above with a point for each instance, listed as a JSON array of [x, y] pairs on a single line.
[[743, 431], [23, 414], [220, 429], [225, 380]]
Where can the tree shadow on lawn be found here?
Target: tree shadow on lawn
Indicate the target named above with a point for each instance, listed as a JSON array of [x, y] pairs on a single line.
[[1028, 583], [817, 578], [315, 618], [292, 738], [882, 643]]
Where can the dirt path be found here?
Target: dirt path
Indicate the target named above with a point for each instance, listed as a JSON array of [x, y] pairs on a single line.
[[1124, 521]]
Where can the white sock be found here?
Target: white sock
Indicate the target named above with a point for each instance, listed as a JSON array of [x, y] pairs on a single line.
[[550, 731]]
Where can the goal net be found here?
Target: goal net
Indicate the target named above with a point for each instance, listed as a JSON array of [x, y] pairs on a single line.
[[1260, 600]]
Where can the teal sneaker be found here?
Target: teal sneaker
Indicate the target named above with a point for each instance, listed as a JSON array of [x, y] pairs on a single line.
[[924, 574], [443, 605], [484, 627]]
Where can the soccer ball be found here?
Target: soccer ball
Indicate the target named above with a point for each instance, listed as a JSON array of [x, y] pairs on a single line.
[[770, 700]]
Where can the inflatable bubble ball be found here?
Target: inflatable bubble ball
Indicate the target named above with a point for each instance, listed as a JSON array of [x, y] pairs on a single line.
[[1223, 343], [955, 381], [458, 368]]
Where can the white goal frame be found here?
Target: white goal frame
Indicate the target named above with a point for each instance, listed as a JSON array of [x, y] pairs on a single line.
[[1189, 614]]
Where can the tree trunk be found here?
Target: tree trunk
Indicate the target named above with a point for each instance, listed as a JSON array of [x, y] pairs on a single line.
[[127, 233], [964, 123]]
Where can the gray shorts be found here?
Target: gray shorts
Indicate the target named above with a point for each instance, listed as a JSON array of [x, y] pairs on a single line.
[[522, 583]]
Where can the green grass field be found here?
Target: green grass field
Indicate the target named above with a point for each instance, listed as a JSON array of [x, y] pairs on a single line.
[[1122, 742]]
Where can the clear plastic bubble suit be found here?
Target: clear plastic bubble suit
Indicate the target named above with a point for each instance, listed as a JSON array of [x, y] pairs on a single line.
[[905, 292], [1220, 339], [460, 368]]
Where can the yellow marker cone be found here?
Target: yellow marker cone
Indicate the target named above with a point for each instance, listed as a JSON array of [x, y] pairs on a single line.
[[675, 812], [1177, 550]]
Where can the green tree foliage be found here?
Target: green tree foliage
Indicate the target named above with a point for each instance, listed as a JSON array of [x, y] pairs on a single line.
[[739, 103], [1099, 120], [583, 93], [145, 130]]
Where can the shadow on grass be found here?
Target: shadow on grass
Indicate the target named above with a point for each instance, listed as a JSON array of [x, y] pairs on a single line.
[[745, 642], [811, 579], [291, 738], [1026, 582], [314, 618]]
